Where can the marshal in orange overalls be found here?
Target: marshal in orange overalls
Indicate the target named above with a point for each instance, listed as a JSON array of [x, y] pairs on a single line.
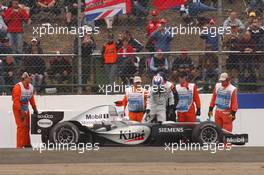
[[188, 96], [135, 99], [225, 100], [22, 94]]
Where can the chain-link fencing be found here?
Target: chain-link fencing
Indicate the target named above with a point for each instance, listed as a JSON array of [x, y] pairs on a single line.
[[65, 48]]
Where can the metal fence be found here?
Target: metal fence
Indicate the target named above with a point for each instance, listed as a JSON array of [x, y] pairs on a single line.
[[63, 62], [60, 74]]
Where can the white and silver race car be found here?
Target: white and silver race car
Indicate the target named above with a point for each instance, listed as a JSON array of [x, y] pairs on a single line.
[[104, 125]]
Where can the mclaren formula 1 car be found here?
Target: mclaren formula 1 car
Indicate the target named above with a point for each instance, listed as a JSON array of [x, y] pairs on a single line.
[[103, 125]]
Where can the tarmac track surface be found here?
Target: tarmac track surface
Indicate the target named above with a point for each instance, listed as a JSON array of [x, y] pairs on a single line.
[[132, 161]]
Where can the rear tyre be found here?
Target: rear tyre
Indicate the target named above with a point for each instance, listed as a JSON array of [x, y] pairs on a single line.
[[207, 133], [65, 133]]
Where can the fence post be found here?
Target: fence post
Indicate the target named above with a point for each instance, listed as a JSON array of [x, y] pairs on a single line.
[[79, 50], [220, 23]]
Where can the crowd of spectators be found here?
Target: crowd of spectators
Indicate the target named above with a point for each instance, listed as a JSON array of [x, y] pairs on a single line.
[[247, 37], [14, 16], [118, 60]]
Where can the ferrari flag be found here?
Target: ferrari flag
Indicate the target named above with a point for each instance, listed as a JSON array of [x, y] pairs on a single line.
[[167, 4], [99, 9]]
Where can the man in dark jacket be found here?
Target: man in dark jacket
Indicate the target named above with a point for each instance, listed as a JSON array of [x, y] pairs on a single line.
[[247, 46], [9, 73], [5, 46], [257, 32], [36, 64], [159, 63], [88, 46], [61, 68], [138, 46], [182, 63]]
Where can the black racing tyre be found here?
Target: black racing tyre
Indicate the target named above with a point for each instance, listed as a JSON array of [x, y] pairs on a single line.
[[207, 132], [65, 133]]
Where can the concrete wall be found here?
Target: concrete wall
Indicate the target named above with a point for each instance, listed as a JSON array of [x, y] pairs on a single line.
[[248, 121]]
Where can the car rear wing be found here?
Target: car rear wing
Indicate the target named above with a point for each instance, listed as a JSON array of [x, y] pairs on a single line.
[[44, 121]]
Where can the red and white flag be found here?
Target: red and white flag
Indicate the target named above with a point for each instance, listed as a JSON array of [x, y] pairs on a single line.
[[100, 9], [167, 4]]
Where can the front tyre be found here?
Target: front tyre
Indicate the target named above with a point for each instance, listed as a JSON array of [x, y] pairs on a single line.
[[65, 133], [207, 133]]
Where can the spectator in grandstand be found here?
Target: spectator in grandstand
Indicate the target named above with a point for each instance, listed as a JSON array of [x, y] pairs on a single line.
[[9, 73], [256, 5], [211, 37], [182, 63], [140, 62], [131, 41], [71, 9], [159, 63], [126, 48], [3, 27], [59, 71], [119, 42], [109, 23], [109, 53], [6, 3], [137, 48], [88, 46], [186, 17], [233, 20], [212, 3], [140, 10], [230, 43], [153, 23], [251, 17], [126, 62], [27, 5], [162, 39], [257, 33], [46, 6], [14, 17], [35, 64], [5, 46], [247, 46], [34, 47], [230, 40], [208, 65]]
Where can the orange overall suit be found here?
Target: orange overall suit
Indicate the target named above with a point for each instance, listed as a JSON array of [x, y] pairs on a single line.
[[21, 95], [188, 95], [135, 99], [225, 99]]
